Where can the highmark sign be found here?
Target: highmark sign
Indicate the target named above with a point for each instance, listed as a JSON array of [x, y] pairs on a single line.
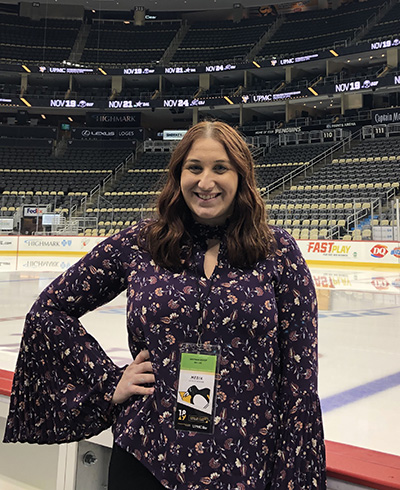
[[57, 244]]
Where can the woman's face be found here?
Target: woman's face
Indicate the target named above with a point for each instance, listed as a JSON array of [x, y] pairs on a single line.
[[209, 182]]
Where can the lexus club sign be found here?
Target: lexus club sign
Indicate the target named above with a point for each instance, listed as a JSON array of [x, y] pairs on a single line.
[[107, 133]]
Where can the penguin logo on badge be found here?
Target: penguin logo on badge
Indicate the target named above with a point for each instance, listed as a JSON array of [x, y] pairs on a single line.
[[195, 396]]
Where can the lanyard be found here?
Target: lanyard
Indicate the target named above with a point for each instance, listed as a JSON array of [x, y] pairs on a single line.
[[202, 303], [202, 299]]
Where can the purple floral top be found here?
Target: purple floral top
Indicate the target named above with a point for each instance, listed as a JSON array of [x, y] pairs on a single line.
[[268, 431]]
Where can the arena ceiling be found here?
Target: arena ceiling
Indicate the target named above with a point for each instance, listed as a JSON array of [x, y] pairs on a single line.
[[157, 5]]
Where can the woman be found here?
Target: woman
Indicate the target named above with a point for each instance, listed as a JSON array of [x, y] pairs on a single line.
[[207, 280]]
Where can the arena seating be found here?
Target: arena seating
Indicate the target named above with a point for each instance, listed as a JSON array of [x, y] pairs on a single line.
[[36, 176], [218, 41], [36, 90], [116, 43], [7, 89], [327, 198], [387, 27], [282, 160], [313, 30], [324, 199], [133, 196], [122, 43], [23, 39], [90, 159], [341, 193]]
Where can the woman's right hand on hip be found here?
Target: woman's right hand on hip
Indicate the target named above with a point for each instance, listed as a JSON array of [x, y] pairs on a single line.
[[137, 374]]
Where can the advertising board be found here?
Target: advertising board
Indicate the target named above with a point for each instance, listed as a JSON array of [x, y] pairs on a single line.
[[351, 252], [59, 252], [59, 245], [8, 245]]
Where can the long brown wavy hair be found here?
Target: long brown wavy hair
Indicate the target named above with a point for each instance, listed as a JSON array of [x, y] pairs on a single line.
[[249, 238]]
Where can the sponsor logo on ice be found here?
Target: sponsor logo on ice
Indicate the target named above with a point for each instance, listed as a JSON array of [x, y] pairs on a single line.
[[380, 283]]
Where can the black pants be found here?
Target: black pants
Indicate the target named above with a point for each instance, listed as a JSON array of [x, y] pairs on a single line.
[[127, 473]]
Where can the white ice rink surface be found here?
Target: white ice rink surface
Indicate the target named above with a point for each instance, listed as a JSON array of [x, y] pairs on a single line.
[[359, 346]]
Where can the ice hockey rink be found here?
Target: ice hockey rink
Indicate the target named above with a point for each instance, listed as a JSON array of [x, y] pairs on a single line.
[[359, 345]]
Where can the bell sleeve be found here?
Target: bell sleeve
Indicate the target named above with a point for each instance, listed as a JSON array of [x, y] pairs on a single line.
[[300, 450], [64, 381]]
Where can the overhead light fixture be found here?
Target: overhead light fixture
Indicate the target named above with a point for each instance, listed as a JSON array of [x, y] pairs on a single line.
[[102, 71], [42, 116], [256, 64], [332, 51], [228, 99], [25, 102], [312, 91], [26, 68], [70, 119]]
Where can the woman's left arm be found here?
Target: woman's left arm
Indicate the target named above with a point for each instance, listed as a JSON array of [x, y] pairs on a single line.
[[300, 450]]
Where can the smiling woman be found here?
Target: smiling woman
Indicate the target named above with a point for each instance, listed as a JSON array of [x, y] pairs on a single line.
[[221, 309], [212, 158], [209, 182]]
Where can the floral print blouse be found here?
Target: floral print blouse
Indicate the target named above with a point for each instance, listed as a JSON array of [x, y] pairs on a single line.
[[268, 429]]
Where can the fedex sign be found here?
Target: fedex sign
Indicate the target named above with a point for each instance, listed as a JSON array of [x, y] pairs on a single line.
[[34, 211]]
